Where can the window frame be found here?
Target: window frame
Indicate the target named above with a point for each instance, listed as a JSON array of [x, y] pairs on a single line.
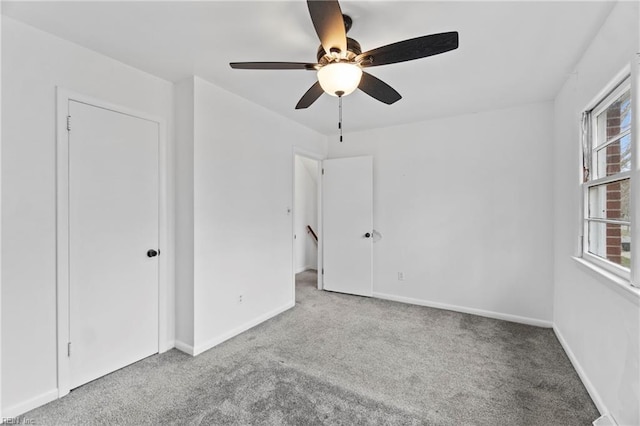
[[618, 86]]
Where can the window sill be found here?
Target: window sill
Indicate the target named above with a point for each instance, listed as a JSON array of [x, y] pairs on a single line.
[[617, 283]]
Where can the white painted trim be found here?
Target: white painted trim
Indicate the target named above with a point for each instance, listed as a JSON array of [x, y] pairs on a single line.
[[617, 283], [608, 179], [165, 225], [320, 230], [603, 264], [635, 167], [593, 392], [1, 412], [232, 333], [489, 314], [181, 346], [62, 239], [605, 420], [30, 404]]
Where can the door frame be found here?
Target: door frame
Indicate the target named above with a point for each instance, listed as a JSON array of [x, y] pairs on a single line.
[[319, 158], [165, 234]]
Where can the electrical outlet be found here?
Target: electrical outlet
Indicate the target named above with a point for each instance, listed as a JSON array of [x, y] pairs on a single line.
[[400, 276], [240, 298]]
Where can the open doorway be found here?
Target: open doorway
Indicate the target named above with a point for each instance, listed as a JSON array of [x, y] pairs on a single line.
[[307, 221]]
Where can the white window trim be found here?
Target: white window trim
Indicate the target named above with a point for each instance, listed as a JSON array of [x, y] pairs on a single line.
[[634, 71], [624, 80], [615, 282]]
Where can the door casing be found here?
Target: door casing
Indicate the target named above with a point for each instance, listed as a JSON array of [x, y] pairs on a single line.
[[165, 234]]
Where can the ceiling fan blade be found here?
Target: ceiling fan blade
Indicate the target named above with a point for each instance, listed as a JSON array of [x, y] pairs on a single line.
[[329, 24], [408, 50], [310, 97], [378, 89], [273, 66]]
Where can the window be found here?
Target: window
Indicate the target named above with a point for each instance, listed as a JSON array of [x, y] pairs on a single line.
[[607, 154]]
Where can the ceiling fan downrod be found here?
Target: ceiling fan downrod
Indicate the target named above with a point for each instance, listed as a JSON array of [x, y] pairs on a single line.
[[340, 113]]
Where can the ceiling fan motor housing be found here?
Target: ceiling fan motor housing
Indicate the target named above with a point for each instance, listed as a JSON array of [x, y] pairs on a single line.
[[353, 50]]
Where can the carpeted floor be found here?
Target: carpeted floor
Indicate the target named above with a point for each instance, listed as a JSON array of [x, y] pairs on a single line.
[[346, 360]]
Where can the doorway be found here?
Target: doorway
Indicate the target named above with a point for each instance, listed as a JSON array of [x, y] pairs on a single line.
[[306, 217], [343, 214]]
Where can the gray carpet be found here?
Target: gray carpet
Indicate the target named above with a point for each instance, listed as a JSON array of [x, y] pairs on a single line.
[[346, 360]]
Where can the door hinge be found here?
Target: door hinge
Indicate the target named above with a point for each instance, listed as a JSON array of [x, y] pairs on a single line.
[[322, 171], [322, 271], [69, 349], [68, 123]]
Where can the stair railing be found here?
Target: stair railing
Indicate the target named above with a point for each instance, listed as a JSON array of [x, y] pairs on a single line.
[[313, 234]]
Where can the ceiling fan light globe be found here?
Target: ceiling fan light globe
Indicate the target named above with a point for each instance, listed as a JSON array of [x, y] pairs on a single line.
[[339, 77]]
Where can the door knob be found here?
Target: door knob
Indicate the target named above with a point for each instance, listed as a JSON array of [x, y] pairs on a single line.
[[367, 235], [153, 253]]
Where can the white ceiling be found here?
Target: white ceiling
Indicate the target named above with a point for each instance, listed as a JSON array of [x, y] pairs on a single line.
[[510, 53]]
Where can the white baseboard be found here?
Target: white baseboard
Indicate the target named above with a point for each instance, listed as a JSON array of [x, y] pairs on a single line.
[[489, 314], [170, 344], [605, 420], [306, 268], [28, 405], [181, 346], [234, 332], [593, 393]]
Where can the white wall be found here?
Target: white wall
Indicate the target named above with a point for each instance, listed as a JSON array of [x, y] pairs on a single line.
[[184, 226], [306, 213], [598, 323], [1, 412], [33, 64], [464, 205], [242, 213]]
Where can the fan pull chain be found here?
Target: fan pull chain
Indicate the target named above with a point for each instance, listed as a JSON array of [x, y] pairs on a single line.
[[340, 113]]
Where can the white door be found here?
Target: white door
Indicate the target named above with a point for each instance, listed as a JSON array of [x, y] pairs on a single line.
[[347, 197], [113, 222]]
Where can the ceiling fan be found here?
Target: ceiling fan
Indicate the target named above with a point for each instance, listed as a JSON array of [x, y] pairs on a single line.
[[341, 60]]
